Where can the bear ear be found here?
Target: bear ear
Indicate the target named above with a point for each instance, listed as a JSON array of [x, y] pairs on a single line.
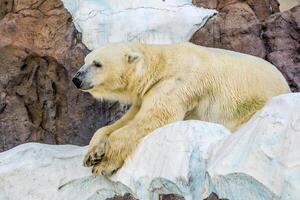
[[133, 57]]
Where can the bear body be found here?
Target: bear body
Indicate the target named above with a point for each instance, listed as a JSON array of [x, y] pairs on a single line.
[[167, 83]]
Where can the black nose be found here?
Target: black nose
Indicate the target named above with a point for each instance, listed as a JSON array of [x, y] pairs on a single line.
[[77, 82]]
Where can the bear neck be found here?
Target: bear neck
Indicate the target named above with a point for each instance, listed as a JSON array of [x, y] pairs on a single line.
[[153, 72]]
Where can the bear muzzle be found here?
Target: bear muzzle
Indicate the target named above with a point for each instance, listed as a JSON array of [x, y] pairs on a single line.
[[77, 81], [80, 82]]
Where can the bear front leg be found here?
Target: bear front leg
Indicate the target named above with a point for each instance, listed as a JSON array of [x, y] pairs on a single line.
[[122, 142], [98, 142]]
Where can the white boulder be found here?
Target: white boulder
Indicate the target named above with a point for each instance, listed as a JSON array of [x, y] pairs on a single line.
[[173, 157], [266, 148], [172, 160], [147, 21], [191, 158]]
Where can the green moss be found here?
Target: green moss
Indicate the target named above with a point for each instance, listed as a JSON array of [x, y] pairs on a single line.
[[247, 108]]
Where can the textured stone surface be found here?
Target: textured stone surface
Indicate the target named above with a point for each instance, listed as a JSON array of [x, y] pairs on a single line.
[[235, 28], [261, 8], [192, 159], [238, 25], [40, 50], [213, 196], [125, 197], [6, 6], [282, 36], [43, 27]]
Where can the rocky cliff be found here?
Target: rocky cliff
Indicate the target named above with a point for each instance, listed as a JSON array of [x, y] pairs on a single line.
[[40, 50]]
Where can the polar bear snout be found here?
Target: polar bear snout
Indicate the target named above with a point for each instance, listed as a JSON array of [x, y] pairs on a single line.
[[80, 82], [77, 81]]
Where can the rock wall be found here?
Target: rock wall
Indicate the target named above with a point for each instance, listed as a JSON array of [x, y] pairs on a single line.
[[237, 27], [282, 39], [40, 50]]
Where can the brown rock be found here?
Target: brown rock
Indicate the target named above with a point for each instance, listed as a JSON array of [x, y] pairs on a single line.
[[262, 8], [44, 27], [236, 27], [39, 103], [125, 197], [214, 196], [212, 4], [170, 197], [6, 6], [40, 50], [282, 38]]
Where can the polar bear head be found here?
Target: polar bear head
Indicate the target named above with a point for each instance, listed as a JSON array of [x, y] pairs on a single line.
[[109, 71]]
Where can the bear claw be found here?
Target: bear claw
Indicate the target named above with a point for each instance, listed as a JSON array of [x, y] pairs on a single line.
[[93, 158], [104, 169]]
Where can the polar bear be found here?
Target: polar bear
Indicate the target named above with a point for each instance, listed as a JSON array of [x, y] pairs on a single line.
[[167, 83]]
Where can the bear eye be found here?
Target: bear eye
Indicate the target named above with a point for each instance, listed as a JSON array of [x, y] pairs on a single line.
[[97, 64]]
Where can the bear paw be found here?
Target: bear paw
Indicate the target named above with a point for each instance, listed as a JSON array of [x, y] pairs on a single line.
[[94, 154], [117, 149], [105, 168], [97, 147]]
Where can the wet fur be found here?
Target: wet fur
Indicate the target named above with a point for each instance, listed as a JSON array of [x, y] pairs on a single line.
[[175, 82]]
